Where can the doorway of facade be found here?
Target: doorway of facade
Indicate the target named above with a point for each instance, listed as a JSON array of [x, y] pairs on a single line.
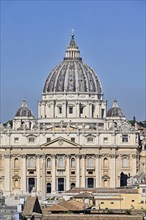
[[60, 184], [90, 182], [31, 184], [48, 187]]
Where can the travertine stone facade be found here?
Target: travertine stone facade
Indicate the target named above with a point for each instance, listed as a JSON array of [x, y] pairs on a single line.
[[74, 142]]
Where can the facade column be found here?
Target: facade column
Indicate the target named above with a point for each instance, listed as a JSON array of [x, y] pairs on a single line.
[[77, 170], [97, 170], [53, 186], [38, 173], [43, 178], [23, 177], [83, 172], [7, 182], [67, 172], [113, 171]]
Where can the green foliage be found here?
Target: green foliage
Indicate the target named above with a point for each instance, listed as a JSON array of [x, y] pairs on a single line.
[[128, 211]]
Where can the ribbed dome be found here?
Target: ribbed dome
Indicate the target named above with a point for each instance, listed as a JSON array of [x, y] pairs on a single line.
[[24, 111], [115, 111], [72, 75]]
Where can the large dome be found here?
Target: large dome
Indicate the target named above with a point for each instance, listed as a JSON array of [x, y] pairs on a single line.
[[72, 75]]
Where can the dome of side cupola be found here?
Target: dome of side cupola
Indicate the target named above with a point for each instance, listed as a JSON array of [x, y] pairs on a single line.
[[24, 111], [73, 75], [115, 111]]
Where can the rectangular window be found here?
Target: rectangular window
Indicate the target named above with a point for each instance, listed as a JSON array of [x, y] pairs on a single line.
[[112, 202], [31, 139], [125, 138], [48, 140], [73, 139], [16, 139], [102, 202], [132, 200], [90, 172], [70, 110], [60, 109], [144, 190], [72, 172], [48, 172], [81, 109], [105, 139]]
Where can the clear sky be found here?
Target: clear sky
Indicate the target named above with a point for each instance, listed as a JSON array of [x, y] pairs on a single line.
[[110, 35]]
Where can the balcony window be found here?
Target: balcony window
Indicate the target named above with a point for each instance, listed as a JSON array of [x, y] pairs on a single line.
[[60, 162], [90, 162]]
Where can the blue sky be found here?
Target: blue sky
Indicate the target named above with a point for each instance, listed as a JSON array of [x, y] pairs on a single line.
[[110, 35]]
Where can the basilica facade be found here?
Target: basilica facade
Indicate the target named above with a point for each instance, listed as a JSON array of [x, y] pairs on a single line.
[[74, 142]]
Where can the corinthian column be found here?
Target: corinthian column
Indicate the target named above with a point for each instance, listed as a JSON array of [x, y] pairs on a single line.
[[43, 178], [97, 170], [113, 171], [23, 177], [83, 172], [53, 174], [77, 171], [67, 173], [38, 173], [7, 182]]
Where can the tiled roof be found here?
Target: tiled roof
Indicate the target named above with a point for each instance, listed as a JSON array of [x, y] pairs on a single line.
[[84, 195], [102, 190], [70, 205], [32, 205]]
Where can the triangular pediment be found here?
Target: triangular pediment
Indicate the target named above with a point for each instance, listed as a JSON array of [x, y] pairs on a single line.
[[61, 142]]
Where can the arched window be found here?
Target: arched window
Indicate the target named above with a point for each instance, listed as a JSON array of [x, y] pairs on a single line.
[[49, 162], [73, 185], [90, 162], [73, 162], [60, 162], [16, 163], [125, 162], [105, 162], [31, 162]]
